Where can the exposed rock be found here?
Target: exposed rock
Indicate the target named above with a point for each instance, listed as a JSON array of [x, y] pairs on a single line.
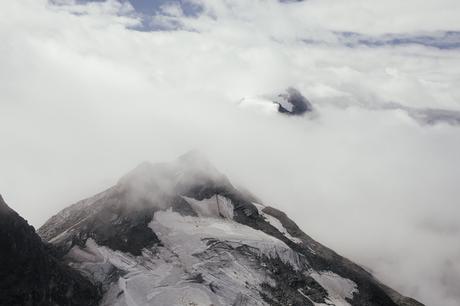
[[293, 102]]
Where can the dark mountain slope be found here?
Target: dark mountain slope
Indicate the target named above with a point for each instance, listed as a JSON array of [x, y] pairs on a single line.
[[30, 274]]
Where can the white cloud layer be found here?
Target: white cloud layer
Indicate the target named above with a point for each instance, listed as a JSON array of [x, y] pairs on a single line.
[[84, 98]]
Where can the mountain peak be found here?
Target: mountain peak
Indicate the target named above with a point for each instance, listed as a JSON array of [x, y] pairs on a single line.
[[180, 233], [292, 102], [288, 102]]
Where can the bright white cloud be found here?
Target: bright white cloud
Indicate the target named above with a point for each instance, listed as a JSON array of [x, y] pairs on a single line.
[[83, 99]]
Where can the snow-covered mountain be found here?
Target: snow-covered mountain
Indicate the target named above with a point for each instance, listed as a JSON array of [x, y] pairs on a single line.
[[181, 234]]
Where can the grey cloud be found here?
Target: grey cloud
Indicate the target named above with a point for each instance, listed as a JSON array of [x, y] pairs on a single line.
[[426, 116], [433, 116], [441, 40]]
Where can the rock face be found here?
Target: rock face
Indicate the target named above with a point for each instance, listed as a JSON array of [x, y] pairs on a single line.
[[181, 234], [30, 274], [292, 102]]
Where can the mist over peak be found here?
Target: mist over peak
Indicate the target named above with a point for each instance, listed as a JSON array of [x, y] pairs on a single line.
[[196, 163], [189, 169]]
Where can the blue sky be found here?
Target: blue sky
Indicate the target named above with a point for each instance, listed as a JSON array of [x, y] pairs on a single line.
[[149, 7]]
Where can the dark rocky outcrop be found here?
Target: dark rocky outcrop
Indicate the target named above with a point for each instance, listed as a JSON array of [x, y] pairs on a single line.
[[117, 220], [119, 226], [292, 286], [30, 274], [293, 102]]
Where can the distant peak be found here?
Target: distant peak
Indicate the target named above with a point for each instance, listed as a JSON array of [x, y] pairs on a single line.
[[292, 102], [288, 102]]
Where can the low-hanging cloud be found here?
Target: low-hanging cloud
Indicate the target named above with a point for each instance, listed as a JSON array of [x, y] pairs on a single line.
[[85, 96]]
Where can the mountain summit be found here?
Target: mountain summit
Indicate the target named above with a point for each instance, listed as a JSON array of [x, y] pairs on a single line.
[[181, 234]]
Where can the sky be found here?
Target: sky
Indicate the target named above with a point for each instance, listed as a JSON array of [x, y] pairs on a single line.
[[89, 90]]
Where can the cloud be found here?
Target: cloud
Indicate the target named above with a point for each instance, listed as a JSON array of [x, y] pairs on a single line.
[[84, 97], [441, 40]]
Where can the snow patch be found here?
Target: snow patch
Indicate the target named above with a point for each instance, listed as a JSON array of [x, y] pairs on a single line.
[[276, 223], [284, 102], [155, 278], [215, 206], [337, 287]]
